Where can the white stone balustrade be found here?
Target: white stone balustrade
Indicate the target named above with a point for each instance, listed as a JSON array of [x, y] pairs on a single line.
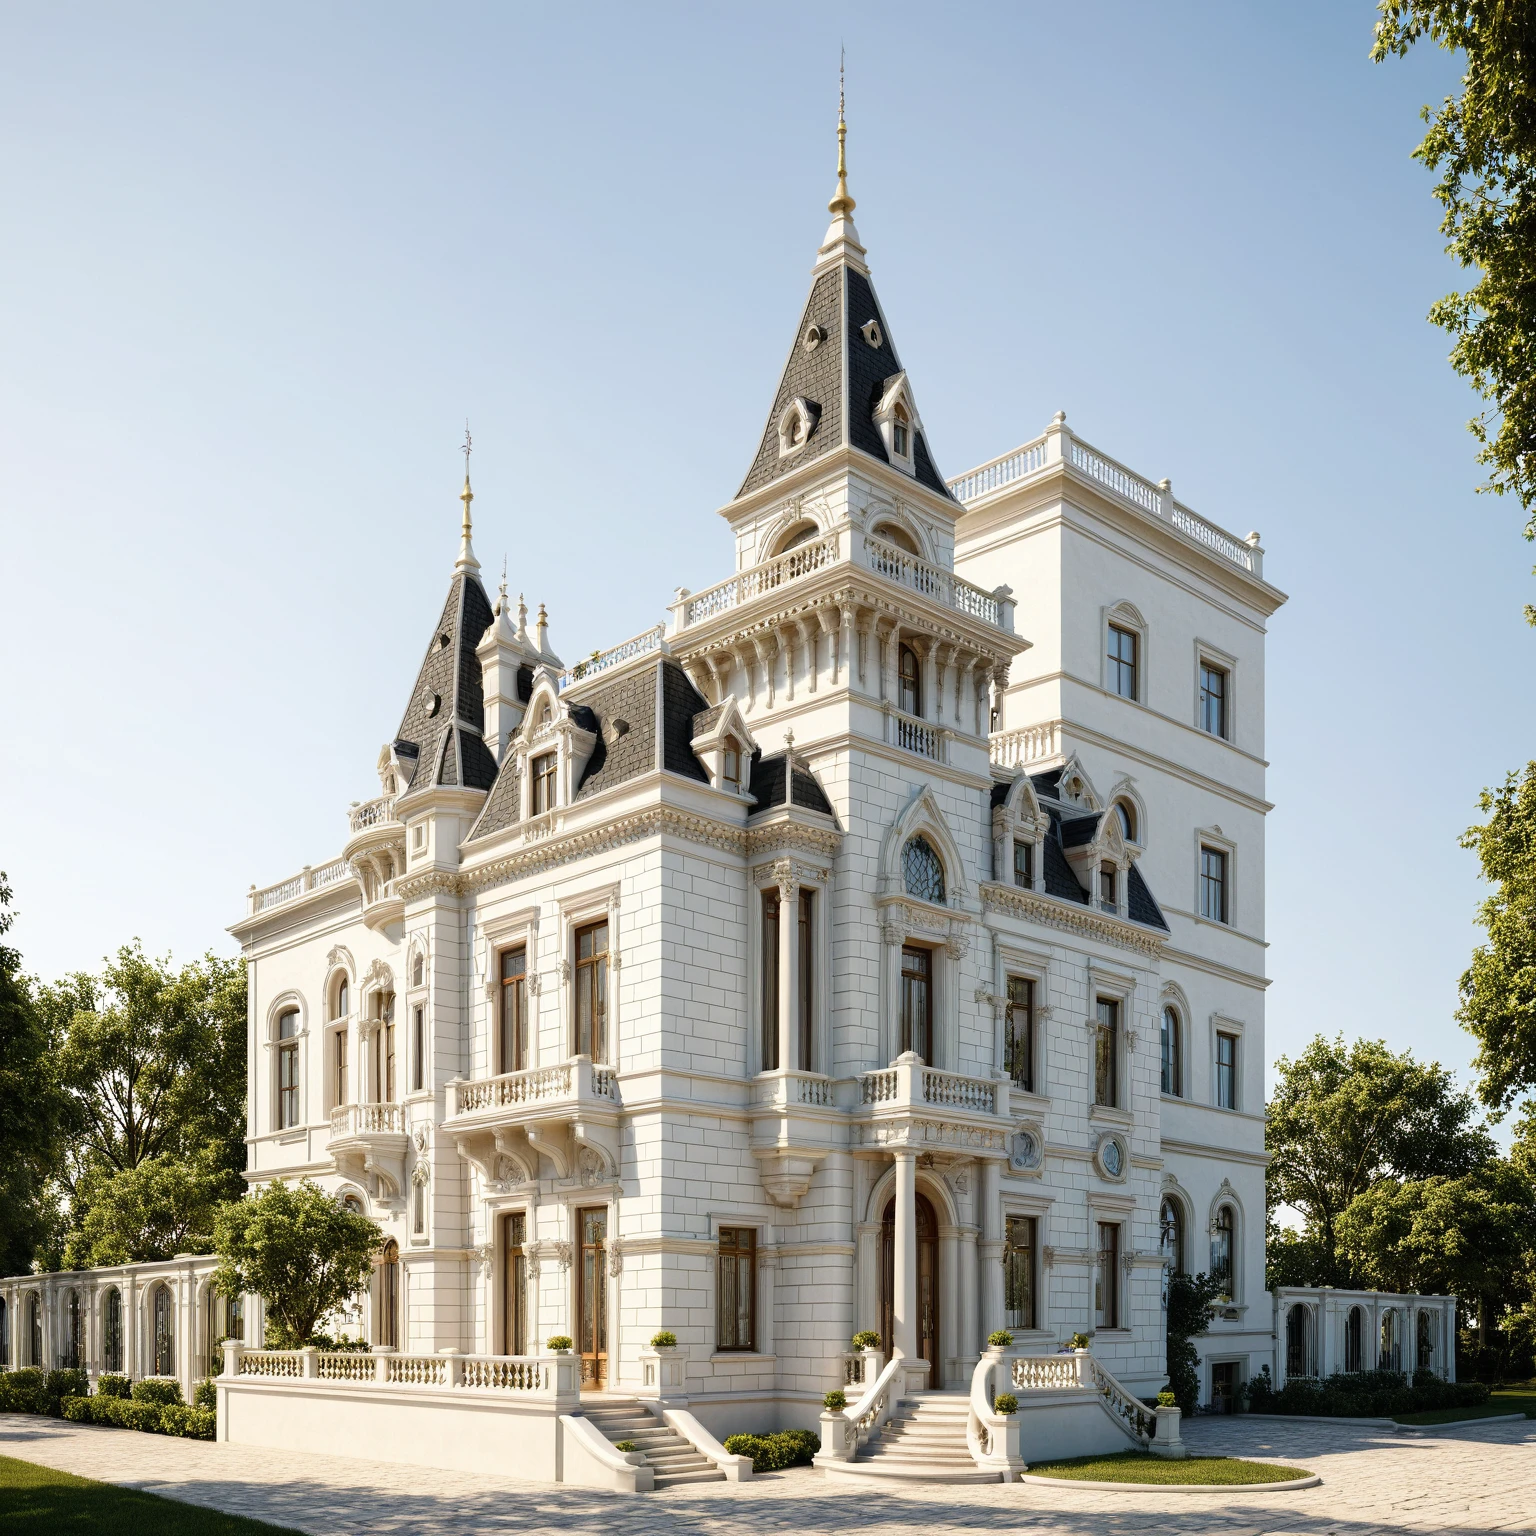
[[1029, 744], [367, 1120], [308, 879], [643, 644], [562, 1082], [552, 1376], [914, 735], [908, 1084], [372, 813], [784, 1089]]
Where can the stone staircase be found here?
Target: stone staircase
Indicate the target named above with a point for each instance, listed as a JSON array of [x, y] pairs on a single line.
[[670, 1456], [924, 1440]]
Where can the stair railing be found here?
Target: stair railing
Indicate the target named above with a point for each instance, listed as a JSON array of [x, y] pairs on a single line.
[[992, 1437], [1128, 1411], [844, 1430]]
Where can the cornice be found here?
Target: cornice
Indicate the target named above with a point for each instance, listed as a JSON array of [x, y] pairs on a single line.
[[1034, 907]]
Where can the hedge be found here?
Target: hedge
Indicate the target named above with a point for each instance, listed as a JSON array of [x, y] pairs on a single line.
[[783, 1448], [32, 1390], [151, 1417], [1362, 1394]]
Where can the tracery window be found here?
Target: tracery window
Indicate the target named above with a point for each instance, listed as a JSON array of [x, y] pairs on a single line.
[[922, 871]]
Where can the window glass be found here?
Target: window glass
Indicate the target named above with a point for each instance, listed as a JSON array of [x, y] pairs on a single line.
[[922, 871], [917, 1001], [1019, 1272], [730, 765], [592, 992], [1172, 1065], [1107, 888], [288, 1070], [1019, 1033], [1226, 1071], [1127, 819], [1122, 662], [1170, 1238], [343, 999], [1222, 1250], [803, 1002], [1213, 885], [543, 772], [1106, 1053], [1023, 863], [339, 1066], [1106, 1278], [418, 1047], [736, 1289], [1213, 699], [910, 680], [513, 1053], [771, 979]]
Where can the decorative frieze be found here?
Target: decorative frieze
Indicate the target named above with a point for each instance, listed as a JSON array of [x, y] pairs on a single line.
[[1033, 906]]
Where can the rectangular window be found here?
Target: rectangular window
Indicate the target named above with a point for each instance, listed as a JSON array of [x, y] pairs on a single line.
[[387, 1092], [806, 994], [1107, 888], [1213, 699], [736, 1289], [419, 1208], [1019, 1033], [917, 1001], [1213, 884], [1226, 1071], [418, 1047], [1019, 1272], [1106, 1053], [730, 766], [1023, 863], [592, 991], [771, 980], [512, 1047], [1106, 1279], [287, 1071], [515, 1286], [1122, 662], [339, 1065], [542, 770]]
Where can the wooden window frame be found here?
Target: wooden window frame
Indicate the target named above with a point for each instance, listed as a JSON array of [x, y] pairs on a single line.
[[736, 1256], [1119, 667], [543, 783], [511, 1011], [1106, 1053], [909, 686], [1011, 1052], [1171, 1052], [907, 1019], [1023, 877], [1011, 1252], [592, 981], [1227, 1094], [288, 1076], [1106, 1277]]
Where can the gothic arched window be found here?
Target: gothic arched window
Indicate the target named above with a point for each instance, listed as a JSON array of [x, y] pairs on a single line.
[[164, 1332], [911, 681], [1126, 816], [1223, 1234], [922, 871], [1170, 1244]]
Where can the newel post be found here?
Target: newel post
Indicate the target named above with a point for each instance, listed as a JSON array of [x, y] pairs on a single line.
[[1084, 1372], [311, 1358], [1166, 1441], [233, 1350]]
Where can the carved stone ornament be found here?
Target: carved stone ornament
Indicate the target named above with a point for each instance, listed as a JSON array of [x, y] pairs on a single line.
[[957, 946], [564, 969], [1026, 1149], [591, 1166], [340, 958], [616, 1257], [510, 1171], [486, 1253], [535, 983], [379, 975], [419, 1139], [563, 1253], [1048, 1253], [893, 933], [421, 1173], [959, 1180], [1112, 1158]]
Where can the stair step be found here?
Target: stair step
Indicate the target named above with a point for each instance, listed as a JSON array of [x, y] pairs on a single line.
[[673, 1479]]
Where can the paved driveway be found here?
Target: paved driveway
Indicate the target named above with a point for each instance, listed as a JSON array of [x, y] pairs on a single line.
[[1475, 1480]]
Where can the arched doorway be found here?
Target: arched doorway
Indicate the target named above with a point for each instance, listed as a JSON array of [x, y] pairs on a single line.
[[387, 1321], [927, 1284]]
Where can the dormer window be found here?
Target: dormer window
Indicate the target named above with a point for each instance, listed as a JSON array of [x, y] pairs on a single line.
[[796, 423], [897, 421], [901, 433], [1107, 888], [546, 715], [730, 765], [542, 773]]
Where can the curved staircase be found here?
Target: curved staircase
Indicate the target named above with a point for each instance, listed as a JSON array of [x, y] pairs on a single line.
[[924, 1440], [670, 1456]]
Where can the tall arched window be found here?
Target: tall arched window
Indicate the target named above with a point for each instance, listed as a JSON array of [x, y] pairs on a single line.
[[1170, 1245], [343, 998], [418, 970], [387, 1324], [5, 1335], [910, 680], [1424, 1354], [922, 871], [288, 1070], [894, 533], [1391, 1341], [35, 1330], [1223, 1247], [1125, 814], [1173, 1054], [112, 1332], [164, 1315], [1354, 1339], [72, 1340], [1298, 1341]]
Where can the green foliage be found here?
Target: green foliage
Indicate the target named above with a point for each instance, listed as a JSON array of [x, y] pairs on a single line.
[[31, 1116], [559, 1341], [1191, 1306], [189, 1423], [62, 1384], [140, 1416], [24, 1390], [1144, 1467], [1342, 1118], [1000, 1338], [1079, 1341], [297, 1248], [78, 1410], [164, 1206], [835, 1400], [1005, 1402], [783, 1448], [112, 1385], [1167, 1400], [1498, 990], [625, 1445], [866, 1338], [1361, 1394], [157, 1390], [205, 1395], [666, 1339], [338, 1346], [1483, 145]]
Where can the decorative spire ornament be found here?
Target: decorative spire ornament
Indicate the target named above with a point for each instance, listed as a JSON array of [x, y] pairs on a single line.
[[842, 204], [466, 562], [842, 241]]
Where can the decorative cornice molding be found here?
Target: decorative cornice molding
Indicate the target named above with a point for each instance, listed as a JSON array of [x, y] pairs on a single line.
[[1033, 906]]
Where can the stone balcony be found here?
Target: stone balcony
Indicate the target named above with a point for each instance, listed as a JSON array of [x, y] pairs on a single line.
[[376, 853], [370, 1139], [796, 1121], [914, 1105], [567, 1113]]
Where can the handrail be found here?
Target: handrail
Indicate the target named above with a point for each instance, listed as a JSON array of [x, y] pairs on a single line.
[[628, 1476], [736, 1468], [648, 640], [864, 1417], [1134, 1416], [991, 1437]]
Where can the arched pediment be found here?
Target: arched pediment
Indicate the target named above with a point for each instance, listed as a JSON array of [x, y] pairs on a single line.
[[1075, 787], [923, 817], [1020, 807]]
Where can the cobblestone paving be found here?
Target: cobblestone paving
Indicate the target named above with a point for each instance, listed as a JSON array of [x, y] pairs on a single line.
[[1471, 1480]]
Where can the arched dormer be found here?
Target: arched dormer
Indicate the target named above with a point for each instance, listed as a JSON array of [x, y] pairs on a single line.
[[897, 420], [797, 421], [1018, 834], [549, 751], [1074, 787], [1127, 806], [923, 818], [1102, 864], [722, 742]]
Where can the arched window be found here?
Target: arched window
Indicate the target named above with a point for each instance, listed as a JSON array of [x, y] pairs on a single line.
[[922, 871], [1391, 1342], [164, 1338], [1354, 1339], [72, 1338], [387, 1324], [288, 1070], [1298, 1341], [352, 1204], [343, 999], [1424, 1353], [1173, 1054], [1125, 814], [112, 1332], [1223, 1247], [225, 1321], [5, 1335], [911, 681], [1170, 1241], [35, 1330], [801, 533], [901, 432], [894, 533], [418, 970]]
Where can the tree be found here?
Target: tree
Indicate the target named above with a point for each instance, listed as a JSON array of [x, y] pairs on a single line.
[[29, 1112], [298, 1249], [1191, 1306], [1343, 1118], [1498, 991], [163, 1206], [1483, 144]]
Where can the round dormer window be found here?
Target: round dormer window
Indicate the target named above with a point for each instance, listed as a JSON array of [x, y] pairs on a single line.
[[1024, 1149], [1112, 1158], [433, 704], [814, 336]]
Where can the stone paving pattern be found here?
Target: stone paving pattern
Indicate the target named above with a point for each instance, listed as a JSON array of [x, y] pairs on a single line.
[[1472, 1479]]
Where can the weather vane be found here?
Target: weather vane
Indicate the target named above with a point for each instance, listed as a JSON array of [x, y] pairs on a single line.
[[469, 443], [842, 60]]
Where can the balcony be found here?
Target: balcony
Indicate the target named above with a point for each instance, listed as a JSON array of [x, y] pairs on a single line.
[[370, 1139], [796, 1122], [909, 1103], [376, 853], [567, 1113]]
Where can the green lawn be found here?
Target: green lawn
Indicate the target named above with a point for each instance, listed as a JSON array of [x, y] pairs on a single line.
[[1143, 1467], [1505, 1400], [37, 1501]]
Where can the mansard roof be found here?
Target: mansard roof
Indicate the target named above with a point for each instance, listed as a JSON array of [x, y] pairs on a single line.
[[767, 782], [444, 721]]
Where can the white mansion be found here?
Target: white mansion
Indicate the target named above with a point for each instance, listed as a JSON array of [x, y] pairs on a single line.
[[878, 944]]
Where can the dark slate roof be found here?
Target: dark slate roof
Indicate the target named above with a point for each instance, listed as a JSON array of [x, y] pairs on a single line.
[[680, 702], [1142, 904], [766, 785], [1060, 877], [841, 303], [446, 737], [1046, 783], [1079, 830], [707, 719]]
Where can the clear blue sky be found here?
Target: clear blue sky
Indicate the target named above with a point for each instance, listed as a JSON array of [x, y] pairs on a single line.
[[261, 263]]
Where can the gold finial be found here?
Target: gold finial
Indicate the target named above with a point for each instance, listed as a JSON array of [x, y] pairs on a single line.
[[842, 203], [466, 495]]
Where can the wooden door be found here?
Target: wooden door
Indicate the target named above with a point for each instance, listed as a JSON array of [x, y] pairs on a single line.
[[592, 1296], [514, 1282], [927, 1284]]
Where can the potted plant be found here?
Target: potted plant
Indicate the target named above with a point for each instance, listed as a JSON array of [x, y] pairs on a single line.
[[866, 1339], [1000, 1338], [835, 1401], [559, 1344], [1005, 1403]]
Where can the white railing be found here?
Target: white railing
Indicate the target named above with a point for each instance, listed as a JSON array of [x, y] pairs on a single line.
[[931, 581], [308, 879], [416, 1370], [367, 1119], [1041, 1373], [347, 1365], [1134, 1416], [977, 1093], [1028, 744], [909, 1082], [796, 1088], [272, 1362], [533, 1085], [878, 1087], [845, 1429], [604, 661], [914, 735], [1117, 477], [509, 1373], [1000, 472], [1193, 526], [371, 813], [771, 574]]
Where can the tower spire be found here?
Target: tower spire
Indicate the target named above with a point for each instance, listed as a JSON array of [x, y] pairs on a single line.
[[842, 238], [466, 563]]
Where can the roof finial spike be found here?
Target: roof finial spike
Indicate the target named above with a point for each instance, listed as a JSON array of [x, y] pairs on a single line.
[[466, 560], [842, 203]]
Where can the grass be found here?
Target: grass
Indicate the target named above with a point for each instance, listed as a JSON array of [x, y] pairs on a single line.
[[1505, 1400], [1143, 1467], [37, 1501]]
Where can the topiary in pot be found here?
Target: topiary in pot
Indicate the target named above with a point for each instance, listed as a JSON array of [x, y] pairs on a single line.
[[1000, 1338], [866, 1339], [1079, 1341], [1005, 1402], [625, 1445], [666, 1339], [1167, 1400], [559, 1341], [835, 1400]]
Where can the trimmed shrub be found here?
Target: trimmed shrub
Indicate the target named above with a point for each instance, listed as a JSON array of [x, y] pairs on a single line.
[[1079, 1341], [62, 1384], [1166, 1399], [784, 1448], [157, 1390], [78, 1410], [24, 1390], [189, 1423], [132, 1415], [113, 1386], [1005, 1402], [559, 1341], [666, 1339], [834, 1400], [1361, 1394], [205, 1395], [999, 1338], [866, 1339]]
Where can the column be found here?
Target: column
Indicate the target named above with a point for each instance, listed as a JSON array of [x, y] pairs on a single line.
[[970, 1341], [904, 1299], [990, 1250], [867, 1299], [789, 964], [949, 1308], [845, 649]]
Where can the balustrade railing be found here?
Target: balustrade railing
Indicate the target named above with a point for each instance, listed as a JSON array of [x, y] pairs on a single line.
[[910, 1082], [367, 1119], [1000, 472], [796, 1088], [878, 1087], [653, 639], [1028, 744], [914, 735], [1138, 1420], [1042, 1373], [347, 1365], [272, 1362], [794, 563], [372, 813], [267, 897], [534, 1085], [951, 1088], [932, 581]]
